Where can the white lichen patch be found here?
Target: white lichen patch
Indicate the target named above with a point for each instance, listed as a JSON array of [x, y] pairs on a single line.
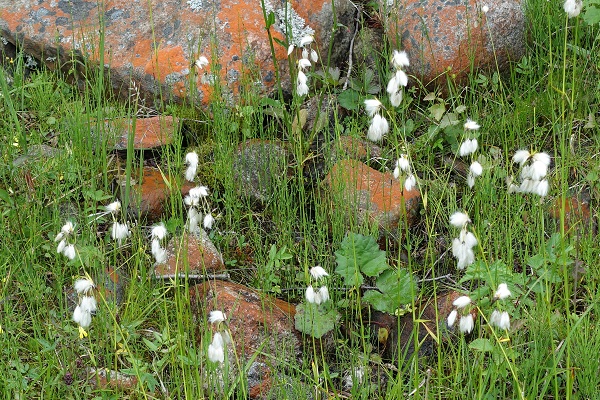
[[195, 5], [290, 22]]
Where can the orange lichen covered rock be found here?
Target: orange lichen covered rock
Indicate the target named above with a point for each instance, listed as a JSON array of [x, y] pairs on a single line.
[[370, 196], [151, 47], [451, 37]]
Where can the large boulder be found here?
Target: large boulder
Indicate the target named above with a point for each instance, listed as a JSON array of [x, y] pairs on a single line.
[[151, 47], [443, 36]]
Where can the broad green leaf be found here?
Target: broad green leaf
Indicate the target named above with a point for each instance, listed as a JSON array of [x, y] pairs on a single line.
[[315, 320], [481, 344], [349, 99], [536, 261], [395, 289], [359, 255], [437, 111], [380, 301], [591, 15]]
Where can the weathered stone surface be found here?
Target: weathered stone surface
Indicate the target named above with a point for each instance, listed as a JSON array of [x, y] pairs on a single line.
[[149, 132], [112, 283], [577, 214], [148, 197], [104, 378], [259, 168], [258, 324], [155, 44], [191, 254], [397, 336], [35, 153], [439, 35], [369, 196], [355, 149]]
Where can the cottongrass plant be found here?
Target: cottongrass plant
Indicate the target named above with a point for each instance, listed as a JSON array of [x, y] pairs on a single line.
[[304, 63], [573, 7], [64, 246], [86, 306], [119, 231], [534, 168], [462, 314], [403, 171], [320, 295], [462, 246], [158, 234], [216, 349], [468, 148], [191, 159], [379, 126], [197, 202], [399, 80], [500, 317]]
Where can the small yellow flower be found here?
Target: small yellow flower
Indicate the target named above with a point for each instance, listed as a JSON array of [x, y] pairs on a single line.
[[82, 333]]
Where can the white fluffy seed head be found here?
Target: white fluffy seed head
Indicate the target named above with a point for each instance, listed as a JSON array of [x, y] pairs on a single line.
[[476, 168], [83, 286], [88, 304], [572, 7], [216, 316], [452, 318], [119, 231], [466, 323], [68, 228], [159, 231], [82, 317], [400, 59], [502, 292], [198, 192], [191, 158], [372, 106], [303, 63], [323, 294], [306, 40], [216, 351], [471, 125], [69, 252], [318, 272], [378, 128], [403, 163], [469, 146], [208, 221], [521, 156], [396, 98], [459, 219], [410, 182], [201, 62], [462, 302]]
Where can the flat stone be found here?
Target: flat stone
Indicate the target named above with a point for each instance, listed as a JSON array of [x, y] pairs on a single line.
[[104, 378], [149, 132], [259, 168], [261, 326], [191, 254], [151, 47], [398, 335], [366, 195], [577, 214], [452, 36]]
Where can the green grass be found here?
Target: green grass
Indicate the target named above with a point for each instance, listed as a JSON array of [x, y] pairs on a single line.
[[542, 103]]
